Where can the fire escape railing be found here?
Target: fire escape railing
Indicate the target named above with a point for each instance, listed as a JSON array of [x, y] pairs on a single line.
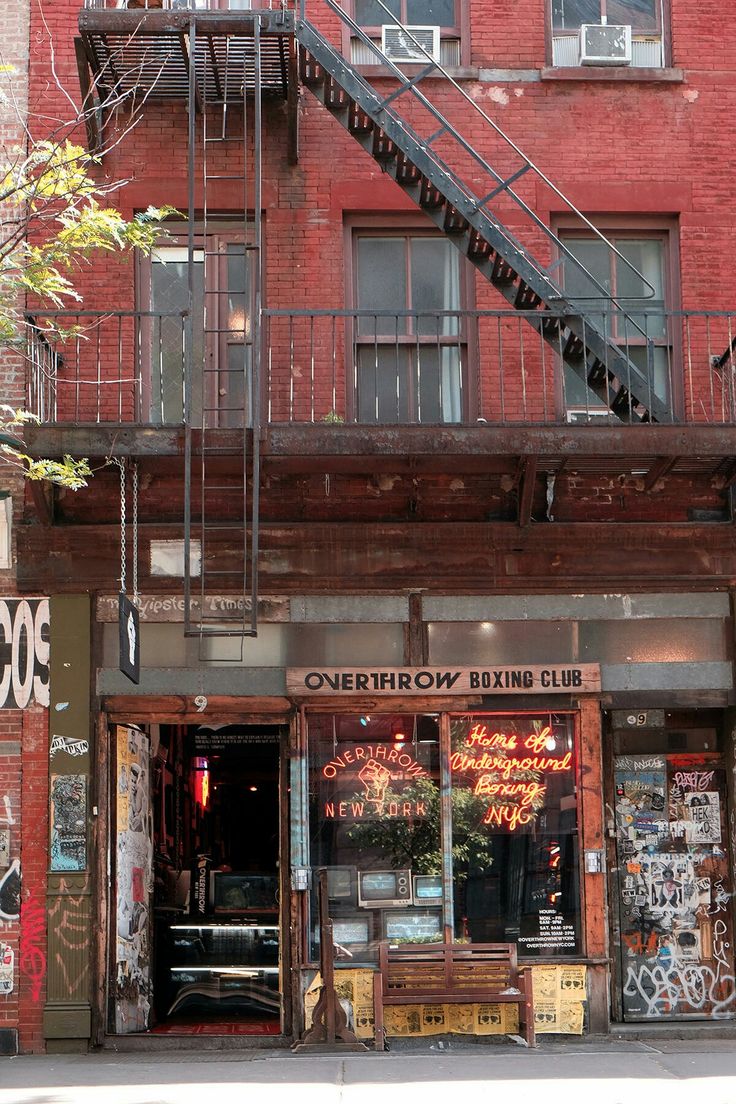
[[502, 184], [365, 367]]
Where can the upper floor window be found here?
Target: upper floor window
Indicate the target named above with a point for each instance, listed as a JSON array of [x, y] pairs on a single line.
[[221, 332], [408, 367], [446, 15], [642, 46], [639, 325]]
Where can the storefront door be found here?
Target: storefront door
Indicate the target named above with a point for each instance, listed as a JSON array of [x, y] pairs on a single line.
[[196, 942], [672, 887], [132, 983]]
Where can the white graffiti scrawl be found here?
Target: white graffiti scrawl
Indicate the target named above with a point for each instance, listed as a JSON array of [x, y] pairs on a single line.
[[669, 981]]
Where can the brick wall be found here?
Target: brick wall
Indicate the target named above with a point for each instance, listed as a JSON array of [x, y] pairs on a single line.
[[23, 734], [14, 53], [653, 153]]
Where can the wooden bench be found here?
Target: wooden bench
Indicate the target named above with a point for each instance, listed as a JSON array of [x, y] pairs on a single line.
[[452, 973]]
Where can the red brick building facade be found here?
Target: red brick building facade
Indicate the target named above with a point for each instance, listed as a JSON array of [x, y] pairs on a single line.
[[387, 357]]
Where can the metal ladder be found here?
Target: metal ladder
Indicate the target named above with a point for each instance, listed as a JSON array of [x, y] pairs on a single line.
[[221, 504], [582, 341]]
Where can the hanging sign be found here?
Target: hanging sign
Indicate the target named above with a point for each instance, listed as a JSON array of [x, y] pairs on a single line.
[[561, 679], [129, 635]]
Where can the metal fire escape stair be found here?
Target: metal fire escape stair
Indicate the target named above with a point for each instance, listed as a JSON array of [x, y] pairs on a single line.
[[580, 341]]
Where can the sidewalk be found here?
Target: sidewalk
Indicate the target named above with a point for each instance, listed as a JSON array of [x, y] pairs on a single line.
[[607, 1072]]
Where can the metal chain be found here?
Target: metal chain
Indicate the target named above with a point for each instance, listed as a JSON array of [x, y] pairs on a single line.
[[135, 533], [121, 464]]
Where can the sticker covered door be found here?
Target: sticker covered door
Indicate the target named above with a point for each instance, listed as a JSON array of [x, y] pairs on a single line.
[[673, 888]]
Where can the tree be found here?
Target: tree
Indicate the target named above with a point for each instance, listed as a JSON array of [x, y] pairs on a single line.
[[54, 216]]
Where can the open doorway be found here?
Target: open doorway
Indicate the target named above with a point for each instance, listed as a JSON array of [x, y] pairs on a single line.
[[197, 938]]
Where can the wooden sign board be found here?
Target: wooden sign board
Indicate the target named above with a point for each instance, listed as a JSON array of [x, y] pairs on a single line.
[[568, 678], [163, 608]]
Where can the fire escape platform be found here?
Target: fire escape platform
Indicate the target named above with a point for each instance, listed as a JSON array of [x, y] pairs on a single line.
[[148, 52], [708, 449]]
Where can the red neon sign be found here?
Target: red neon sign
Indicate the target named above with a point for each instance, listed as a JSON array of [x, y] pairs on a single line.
[[374, 772], [503, 777]]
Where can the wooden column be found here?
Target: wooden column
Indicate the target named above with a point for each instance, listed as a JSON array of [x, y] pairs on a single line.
[[592, 838], [67, 1013]]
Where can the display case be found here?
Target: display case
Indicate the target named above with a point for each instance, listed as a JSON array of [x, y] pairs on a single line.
[[219, 966]]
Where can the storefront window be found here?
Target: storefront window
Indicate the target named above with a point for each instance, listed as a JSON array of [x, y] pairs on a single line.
[[375, 827], [514, 832], [507, 845]]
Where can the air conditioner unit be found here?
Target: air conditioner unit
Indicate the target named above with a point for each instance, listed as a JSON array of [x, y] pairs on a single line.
[[605, 44], [398, 47], [592, 414]]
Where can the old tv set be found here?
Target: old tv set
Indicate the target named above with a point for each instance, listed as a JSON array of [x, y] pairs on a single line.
[[340, 883], [384, 888], [427, 889], [244, 892], [413, 927], [351, 931]]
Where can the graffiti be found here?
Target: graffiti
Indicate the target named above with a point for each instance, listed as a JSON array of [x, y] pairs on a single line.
[[640, 763], [69, 921], [32, 953], [24, 634], [10, 892], [68, 822], [7, 967], [8, 819], [635, 943], [663, 987], [134, 855], [673, 890], [690, 781], [68, 745], [719, 898]]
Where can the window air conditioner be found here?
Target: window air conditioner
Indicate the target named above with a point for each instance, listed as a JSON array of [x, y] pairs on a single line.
[[398, 47], [605, 44], [592, 414]]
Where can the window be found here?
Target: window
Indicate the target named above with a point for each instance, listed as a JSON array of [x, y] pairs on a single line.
[[643, 16], [514, 832], [445, 14], [374, 799], [222, 341], [407, 368], [510, 829], [640, 324]]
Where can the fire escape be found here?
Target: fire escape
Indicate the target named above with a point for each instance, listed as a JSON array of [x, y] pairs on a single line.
[[222, 64]]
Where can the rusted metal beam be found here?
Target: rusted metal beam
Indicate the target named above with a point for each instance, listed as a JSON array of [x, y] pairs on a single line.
[[564, 440], [184, 49], [303, 444], [658, 471], [526, 489], [89, 108], [97, 440], [292, 104], [141, 23]]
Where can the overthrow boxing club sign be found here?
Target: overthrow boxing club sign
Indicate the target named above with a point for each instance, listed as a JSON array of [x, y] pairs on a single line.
[[552, 679]]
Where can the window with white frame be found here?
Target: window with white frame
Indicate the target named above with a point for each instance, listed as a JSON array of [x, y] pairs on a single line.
[[572, 46], [409, 344]]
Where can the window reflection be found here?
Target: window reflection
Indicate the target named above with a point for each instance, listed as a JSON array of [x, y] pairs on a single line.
[[374, 819]]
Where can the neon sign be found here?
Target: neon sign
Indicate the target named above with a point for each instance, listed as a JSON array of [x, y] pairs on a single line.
[[371, 770], [501, 764]]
